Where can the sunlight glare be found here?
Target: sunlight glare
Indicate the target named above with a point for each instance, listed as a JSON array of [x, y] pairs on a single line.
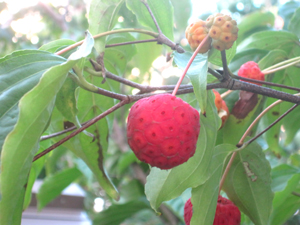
[[30, 24], [15, 6], [98, 204]]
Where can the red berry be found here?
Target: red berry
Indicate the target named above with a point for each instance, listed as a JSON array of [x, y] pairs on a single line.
[[163, 130], [226, 212], [251, 70]]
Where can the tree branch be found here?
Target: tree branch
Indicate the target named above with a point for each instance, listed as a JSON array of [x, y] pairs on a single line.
[[85, 126]]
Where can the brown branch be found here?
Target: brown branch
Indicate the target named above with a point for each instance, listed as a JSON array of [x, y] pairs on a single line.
[[131, 42], [267, 83], [85, 126], [162, 39]]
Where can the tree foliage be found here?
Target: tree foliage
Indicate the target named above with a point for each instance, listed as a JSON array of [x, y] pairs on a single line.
[[68, 101]]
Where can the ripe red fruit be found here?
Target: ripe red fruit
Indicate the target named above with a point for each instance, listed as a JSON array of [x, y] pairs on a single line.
[[251, 70], [226, 212], [162, 130]]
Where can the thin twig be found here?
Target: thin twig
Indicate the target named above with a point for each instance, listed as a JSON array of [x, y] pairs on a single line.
[[226, 74], [271, 125], [150, 33], [267, 83], [131, 42], [296, 194], [152, 16], [85, 126], [215, 74], [141, 87]]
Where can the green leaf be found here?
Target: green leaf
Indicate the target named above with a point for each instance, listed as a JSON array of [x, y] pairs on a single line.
[[290, 202], [182, 59], [270, 40], [287, 10], [294, 23], [197, 73], [21, 144], [163, 185], [287, 77], [199, 83], [19, 73], [248, 184], [89, 106], [102, 18], [142, 58], [204, 197], [35, 170], [85, 48], [66, 101], [117, 213], [119, 56], [162, 11], [281, 176], [53, 185], [182, 13], [253, 21], [93, 152], [272, 58], [56, 45], [215, 55], [285, 180]]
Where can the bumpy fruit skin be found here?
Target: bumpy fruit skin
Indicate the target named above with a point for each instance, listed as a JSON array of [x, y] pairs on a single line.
[[195, 33], [162, 130], [223, 30], [251, 70], [221, 107], [226, 212]]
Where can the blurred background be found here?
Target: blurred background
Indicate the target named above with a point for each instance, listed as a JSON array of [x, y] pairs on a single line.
[[32, 23]]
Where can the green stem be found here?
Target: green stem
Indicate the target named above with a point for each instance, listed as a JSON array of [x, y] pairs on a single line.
[[127, 30], [281, 65], [82, 81]]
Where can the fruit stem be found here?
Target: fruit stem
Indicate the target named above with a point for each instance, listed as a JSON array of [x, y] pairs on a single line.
[[189, 64], [280, 68], [281, 65], [226, 93], [226, 171]]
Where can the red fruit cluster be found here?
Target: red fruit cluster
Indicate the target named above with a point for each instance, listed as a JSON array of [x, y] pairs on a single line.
[[226, 212], [221, 107], [221, 29], [251, 70], [163, 130]]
